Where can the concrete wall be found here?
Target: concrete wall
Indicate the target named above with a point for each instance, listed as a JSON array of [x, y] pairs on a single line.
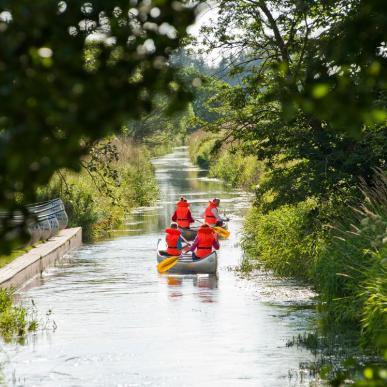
[[36, 260]]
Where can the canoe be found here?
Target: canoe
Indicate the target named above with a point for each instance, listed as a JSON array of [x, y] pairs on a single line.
[[185, 265]]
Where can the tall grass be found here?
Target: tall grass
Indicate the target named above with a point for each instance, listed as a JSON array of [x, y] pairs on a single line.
[[347, 264], [282, 240], [14, 320], [100, 203], [351, 271]]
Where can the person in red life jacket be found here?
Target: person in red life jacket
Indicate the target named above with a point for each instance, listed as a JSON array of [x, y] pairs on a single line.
[[174, 240], [211, 214], [205, 243], [182, 215]]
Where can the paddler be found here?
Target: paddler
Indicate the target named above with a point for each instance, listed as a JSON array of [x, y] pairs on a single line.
[[182, 215], [205, 243], [174, 240], [211, 214]]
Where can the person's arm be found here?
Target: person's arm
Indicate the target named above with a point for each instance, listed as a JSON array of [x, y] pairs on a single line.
[[174, 217], [194, 244], [216, 214], [218, 217]]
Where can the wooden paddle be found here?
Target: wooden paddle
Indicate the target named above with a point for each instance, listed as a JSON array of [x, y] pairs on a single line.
[[167, 264]]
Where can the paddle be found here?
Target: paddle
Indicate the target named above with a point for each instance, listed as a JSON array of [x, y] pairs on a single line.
[[219, 230], [167, 264]]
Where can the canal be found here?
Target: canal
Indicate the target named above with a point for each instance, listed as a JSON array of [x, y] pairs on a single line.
[[116, 322]]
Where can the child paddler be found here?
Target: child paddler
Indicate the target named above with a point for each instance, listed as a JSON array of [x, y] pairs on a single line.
[[175, 240]]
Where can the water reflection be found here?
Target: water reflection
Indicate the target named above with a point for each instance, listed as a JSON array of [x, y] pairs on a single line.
[[203, 286]]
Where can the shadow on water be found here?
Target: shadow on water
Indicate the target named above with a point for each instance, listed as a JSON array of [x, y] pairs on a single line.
[[121, 323]]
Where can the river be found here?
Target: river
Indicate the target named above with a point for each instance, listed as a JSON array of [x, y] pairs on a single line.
[[119, 323]]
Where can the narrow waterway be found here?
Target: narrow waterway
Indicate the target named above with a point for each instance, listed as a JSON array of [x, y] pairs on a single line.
[[119, 323]]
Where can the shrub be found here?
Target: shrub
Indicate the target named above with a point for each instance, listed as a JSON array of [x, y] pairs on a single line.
[[99, 201], [225, 163], [14, 321], [283, 240], [351, 272]]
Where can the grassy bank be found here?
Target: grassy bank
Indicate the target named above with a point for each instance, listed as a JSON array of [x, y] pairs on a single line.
[[227, 162], [117, 176], [346, 260]]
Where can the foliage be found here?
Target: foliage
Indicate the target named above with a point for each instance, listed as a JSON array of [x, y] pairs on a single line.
[[227, 162], [201, 148], [14, 321], [99, 199], [351, 272], [351, 65], [304, 155], [283, 240], [76, 74]]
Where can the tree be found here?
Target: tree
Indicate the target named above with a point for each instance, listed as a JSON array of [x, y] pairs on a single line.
[[71, 73], [282, 41]]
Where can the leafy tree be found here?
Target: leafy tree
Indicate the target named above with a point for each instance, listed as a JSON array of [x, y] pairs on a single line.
[[277, 45], [73, 72]]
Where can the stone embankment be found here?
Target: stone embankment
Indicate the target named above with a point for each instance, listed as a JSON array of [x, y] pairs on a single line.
[[33, 263]]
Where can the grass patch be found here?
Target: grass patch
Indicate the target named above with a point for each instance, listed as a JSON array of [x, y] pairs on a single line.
[[14, 320], [6, 259]]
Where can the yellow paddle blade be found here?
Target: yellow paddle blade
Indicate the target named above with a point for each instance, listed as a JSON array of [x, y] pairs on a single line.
[[167, 264], [221, 231]]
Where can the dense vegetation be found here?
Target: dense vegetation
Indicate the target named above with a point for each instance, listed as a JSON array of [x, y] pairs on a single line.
[[15, 321], [228, 162], [116, 176], [309, 107]]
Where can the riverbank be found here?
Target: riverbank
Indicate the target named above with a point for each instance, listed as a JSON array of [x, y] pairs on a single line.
[[116, 177], [338, 247], [34, 262]]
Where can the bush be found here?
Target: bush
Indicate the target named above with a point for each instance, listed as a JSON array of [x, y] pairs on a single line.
[[283, 240], [201, 147], [225, 163], [351, 272], [238, 170], [14, 320], [99, 200]]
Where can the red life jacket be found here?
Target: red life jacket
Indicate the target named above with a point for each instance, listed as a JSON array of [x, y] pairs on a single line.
[[172, 238], [206, 238], [209, 217], [182, 211]]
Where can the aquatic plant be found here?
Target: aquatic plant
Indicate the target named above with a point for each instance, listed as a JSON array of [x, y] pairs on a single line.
[[15, 321]]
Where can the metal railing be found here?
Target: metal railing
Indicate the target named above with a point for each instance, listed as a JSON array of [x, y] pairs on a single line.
[[41, 220]]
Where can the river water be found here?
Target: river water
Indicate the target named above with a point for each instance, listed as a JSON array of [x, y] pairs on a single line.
[[116, 322]]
